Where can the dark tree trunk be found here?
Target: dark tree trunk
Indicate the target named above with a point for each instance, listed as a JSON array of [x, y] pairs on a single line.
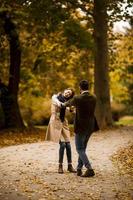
[[103, 109], [11, 108]]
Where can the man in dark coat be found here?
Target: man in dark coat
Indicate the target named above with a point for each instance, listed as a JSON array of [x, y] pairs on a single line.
[[84, 125]]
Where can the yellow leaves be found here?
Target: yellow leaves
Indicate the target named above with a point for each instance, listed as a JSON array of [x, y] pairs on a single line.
[[8, 138], [31, 170], [122, 59], [118, 90], [124, 160]]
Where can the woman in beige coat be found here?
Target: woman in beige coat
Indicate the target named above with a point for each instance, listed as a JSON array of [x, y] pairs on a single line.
[[58, 130]]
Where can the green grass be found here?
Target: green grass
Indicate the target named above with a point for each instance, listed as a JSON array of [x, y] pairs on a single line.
[[127, 120]]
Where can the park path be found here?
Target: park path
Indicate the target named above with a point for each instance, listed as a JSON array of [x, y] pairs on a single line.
[[29, 171]]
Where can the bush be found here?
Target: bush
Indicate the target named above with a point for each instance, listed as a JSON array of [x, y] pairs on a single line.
[[35, 110], [117, 110]]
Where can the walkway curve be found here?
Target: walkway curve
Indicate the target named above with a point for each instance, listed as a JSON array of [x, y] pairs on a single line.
[[29, 171]]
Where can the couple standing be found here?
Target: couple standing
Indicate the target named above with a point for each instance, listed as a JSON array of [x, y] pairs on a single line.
[[84, 124]]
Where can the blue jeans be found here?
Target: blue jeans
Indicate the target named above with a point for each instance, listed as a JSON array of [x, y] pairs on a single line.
[[63, 146], [81, 141]]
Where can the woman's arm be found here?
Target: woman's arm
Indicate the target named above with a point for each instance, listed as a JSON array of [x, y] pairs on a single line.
[[55, 100]]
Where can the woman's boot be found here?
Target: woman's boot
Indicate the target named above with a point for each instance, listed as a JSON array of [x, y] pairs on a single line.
[[60, 169]]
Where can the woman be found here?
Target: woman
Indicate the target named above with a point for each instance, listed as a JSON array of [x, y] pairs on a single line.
[[58, 130]]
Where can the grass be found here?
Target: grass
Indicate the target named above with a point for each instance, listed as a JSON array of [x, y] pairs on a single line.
[[125, 121]]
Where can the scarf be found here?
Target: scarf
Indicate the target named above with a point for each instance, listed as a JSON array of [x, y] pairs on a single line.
[[62, 99]]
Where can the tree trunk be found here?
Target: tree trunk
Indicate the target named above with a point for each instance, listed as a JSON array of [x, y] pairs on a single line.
[[11, 108], [101, 87]]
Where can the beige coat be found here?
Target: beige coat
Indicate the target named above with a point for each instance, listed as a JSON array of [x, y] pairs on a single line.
[[57, 130]]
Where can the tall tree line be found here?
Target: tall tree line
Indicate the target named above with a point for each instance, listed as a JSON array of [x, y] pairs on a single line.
[[47, 16]]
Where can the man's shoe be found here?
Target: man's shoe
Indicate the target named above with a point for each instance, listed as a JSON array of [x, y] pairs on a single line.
[[88, 173], [60, 169], [71, 169], [79, 172]]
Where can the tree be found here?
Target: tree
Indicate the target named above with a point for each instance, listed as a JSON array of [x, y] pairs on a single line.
[[104, 14], [103, 110], [45, 16], [10, 103]]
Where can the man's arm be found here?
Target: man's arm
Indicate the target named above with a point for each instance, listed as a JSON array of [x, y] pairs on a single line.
[[71, 102]]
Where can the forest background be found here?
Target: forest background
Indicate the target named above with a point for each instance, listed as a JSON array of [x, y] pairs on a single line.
[[47, 46]]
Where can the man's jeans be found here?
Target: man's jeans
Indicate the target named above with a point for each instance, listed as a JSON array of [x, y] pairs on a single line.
[[63, 146], [81, 141]]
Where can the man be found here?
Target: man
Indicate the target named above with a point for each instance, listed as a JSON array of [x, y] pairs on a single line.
[[85, 123]]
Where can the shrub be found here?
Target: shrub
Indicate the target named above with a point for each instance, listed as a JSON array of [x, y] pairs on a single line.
[[117, 110], [35, 110]]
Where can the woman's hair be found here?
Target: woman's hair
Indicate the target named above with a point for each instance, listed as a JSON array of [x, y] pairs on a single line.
[[73, 92]]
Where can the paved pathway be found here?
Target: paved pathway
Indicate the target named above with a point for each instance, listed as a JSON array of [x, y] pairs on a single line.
[[29, 171]]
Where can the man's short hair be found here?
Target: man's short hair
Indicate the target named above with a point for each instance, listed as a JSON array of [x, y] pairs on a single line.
[[84, 85]]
